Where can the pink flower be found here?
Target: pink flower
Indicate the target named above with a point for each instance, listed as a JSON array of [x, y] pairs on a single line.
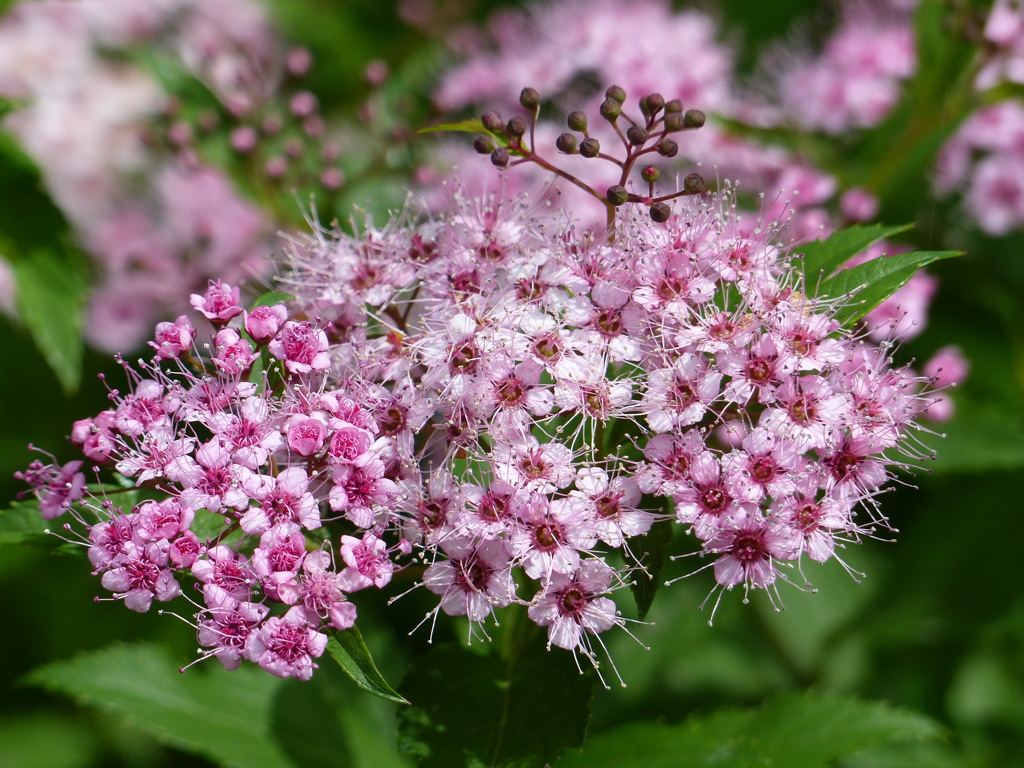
[[220, 302], [263, 322], [286, 646], [302, 346], [172, 339]]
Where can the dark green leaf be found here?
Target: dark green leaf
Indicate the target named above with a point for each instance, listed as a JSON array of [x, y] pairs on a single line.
[[351, 653], [52, 290], [207, 710], [872, 282], [647, 554], [479, 710], [22, 523], [797, 730], [821, 258], [305, 723]]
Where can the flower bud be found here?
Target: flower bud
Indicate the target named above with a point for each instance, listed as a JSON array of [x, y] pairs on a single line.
[[590, 147], [516, 126], [660, 212], [484, 145], [577, 121], [616, 93], [636, 135], [673, 106], [499, 157], [667, 148], [694, 118], [566, 143], [529, 98], [617, 195], [693, 184], [492, 122], [650, 174], [674, 121], [610, 110], [652, 104]]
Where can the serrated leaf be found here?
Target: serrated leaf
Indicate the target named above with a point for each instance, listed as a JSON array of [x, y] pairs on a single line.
[[647, 554], [51, 292], [222, 715], [820, 258], [479, 710], [797, 730], [349, 650], [872, 282], [21, 523]]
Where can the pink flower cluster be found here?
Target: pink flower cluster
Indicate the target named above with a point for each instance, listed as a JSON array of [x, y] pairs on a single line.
[[546, 385], [237, 471]]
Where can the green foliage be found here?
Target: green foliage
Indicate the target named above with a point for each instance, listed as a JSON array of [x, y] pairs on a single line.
[[872, 282], [52, 289], [223, 715], [820, 258], [349, 650], [22, 524], [481, 710], [798, 730]]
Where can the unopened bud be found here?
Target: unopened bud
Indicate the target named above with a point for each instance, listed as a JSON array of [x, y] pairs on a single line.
[[650, 174], [590, 147], [674, 121], [577, 121], [667, 148], [529, 98], [566, 143], [499, 157], [610, 110], [492, 122], [693, 184], [617, 195], [694, 119], [636, 135], [660, 212], [516, 126], [652, 104], [674, 106], [483, 144], [616, 93]]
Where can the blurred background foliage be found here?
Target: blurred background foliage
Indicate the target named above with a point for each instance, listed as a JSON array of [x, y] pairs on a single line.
[[936, 627]]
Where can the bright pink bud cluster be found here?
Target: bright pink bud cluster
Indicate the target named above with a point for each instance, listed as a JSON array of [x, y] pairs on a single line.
[[236, 470]]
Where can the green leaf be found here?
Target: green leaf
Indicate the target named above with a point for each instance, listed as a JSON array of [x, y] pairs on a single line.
[[272, 297], [222, 715], [472, 125], [22, 523], [797, 730], [821, 258], [874, 281], [478, 710], [647, 554], [349, 650], [52, 290]]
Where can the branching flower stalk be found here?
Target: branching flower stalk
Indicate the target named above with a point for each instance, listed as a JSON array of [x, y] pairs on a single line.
[[648, 136]]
